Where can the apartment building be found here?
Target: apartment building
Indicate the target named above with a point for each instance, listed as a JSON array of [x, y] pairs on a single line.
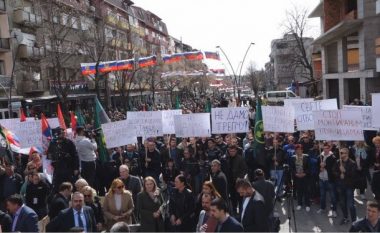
[[350, 41]]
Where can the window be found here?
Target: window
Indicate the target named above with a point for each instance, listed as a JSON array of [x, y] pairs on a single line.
[[64, 19], [85, 23], [2, 67], [75, 22]]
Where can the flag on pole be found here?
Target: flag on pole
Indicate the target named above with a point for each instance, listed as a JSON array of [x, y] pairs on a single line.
[[80, 118], [61, 120], [5, 146], [258, 129], [73, 122], [100, 117], [22, 115], [46, 133], [177, 103], [208, 106]]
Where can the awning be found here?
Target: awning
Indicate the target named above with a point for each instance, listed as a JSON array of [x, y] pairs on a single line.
[[343, 28]]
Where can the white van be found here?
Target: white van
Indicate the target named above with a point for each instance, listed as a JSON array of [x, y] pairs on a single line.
[[279, 96]]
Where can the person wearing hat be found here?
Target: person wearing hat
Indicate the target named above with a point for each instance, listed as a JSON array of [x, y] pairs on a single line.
[[63, 154]]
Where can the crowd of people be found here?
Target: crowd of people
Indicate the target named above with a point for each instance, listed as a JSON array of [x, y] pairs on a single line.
[[223, 183]]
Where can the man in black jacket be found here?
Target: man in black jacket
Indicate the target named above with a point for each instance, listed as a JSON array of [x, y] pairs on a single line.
[[371, 222], [60, 200], [226, 223], [78, 215], [345, 172], [252, 216], [63, 154], [219, 179], [5, 222], [266, 189]]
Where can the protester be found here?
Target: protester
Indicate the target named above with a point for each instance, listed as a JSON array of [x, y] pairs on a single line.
[[206, 223], [150, 206], [226, 223], [118, 204], [91, 200], [371, 223], [219, 179], [36, 195], [60, 200], [266, 189], [78, 215], [86, 147], [131, 183], [24, 218], [5, 222]]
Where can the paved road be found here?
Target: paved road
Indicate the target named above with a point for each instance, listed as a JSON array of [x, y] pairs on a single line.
[[314, 222]]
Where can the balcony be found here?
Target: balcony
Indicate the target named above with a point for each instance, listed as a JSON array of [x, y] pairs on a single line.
[[29, 52], [33, 86], [126, 45], [5, 45], [115, 43], [5, 81], [3, 9], [142, 32], [111, 19], [27, 18], [123, 25]]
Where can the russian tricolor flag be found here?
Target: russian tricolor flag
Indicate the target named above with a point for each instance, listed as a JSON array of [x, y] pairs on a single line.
[[108, 66], [168, 59], [125, 64], [212, 55], [197, 55], [147, 61], [88, 68]]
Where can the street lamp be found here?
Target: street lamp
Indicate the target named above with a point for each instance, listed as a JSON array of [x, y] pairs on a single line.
[[19, 37], [237, 79]]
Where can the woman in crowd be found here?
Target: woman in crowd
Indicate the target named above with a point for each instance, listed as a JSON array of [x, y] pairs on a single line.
[[181, 207], [34, 163], [93, 201], [79, 184], [150, 206], [37, 192], [118, 204]]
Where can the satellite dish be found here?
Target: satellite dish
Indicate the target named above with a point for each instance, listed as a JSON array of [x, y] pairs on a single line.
[[18, 35], [36, 76]]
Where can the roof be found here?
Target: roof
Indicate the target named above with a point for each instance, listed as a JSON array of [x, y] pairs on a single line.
[[343, 28], [318, 10]]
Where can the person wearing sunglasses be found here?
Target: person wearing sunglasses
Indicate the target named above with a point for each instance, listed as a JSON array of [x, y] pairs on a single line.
[[91, 200], [118, 204]]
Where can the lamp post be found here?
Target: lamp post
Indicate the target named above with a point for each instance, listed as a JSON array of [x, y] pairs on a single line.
[[18, 38], [237, 79]]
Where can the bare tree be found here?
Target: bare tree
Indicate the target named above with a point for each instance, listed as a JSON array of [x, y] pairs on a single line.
[[255, 78], [296, 25]]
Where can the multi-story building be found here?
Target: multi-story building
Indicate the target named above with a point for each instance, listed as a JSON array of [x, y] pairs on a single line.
[[47, 40], [350, 59], [283, 57]]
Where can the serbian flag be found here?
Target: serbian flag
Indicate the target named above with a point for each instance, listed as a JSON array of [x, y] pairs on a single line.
[[147, 61], [125, 64], [22, 115], [60, 118], [169, 59], [11, 137], [46, 132], [73, 121], [197, 55], [107, 66], [88, 68], [212, 55]]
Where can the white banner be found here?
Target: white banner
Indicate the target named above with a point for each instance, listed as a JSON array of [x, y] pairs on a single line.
[[288, 103], [168, 120], [304, 112], [53, 122], [28, 132], [229, 120], [47, 169], [192, 125], [278, 119], [366, 115], [118, 133], [376, 110], [338, 125], [146, 124]]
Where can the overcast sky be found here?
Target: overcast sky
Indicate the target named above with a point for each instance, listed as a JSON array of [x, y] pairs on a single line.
[[232, 24]]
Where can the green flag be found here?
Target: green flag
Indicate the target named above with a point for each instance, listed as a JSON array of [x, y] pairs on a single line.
[[177, 103], [80, 118], [259, 128], [100, 117], [208, 105]]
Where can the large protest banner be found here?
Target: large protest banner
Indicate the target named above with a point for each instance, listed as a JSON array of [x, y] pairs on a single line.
[[366, 112], [118, 133], [338, 125], [145, 124], [229, 120], [303, 112], [168, 120], [288, 103], [28, 132], [192, 125], [278, 119], [53, 122], [376, 110]]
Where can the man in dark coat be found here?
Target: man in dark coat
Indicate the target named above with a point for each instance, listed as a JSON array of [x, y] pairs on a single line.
[[226, 223], [5, 222], [63, 154], [266, 189], [219, 179], [78, 215], [60, 200], [151, 160], [251, 211], [24, 218]]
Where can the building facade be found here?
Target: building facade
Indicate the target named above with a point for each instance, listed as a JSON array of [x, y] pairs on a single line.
[[350, 39]]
